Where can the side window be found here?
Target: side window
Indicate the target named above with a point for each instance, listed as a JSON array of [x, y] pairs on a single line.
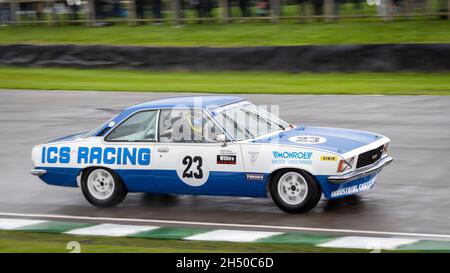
[[139, 127], [186, 125]]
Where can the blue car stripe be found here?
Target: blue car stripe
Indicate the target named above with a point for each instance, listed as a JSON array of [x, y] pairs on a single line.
[[219, 183], [167, 181]]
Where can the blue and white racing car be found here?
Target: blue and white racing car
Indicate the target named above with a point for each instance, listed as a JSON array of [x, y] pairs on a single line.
[[212, 145]]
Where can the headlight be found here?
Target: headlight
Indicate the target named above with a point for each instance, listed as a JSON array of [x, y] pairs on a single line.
[[345, 164]]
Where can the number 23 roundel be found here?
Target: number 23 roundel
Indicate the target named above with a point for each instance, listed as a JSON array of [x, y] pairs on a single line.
[[192, 170]]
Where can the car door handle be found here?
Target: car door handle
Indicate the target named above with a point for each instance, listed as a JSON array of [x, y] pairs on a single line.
[[163, 149]]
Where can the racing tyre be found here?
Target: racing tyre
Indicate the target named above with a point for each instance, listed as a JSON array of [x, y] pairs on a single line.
[[103, 188], [294, 191]]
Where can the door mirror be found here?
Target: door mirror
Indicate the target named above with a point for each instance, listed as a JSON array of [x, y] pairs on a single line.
[[220, 138]]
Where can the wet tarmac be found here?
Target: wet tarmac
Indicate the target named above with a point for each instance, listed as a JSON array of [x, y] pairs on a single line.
[[411, 195]]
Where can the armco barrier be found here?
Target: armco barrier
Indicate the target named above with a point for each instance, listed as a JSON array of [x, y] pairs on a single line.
[[327, 58]]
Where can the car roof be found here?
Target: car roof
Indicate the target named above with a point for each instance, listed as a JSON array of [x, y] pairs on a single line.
[[186, 102], [198, 102]]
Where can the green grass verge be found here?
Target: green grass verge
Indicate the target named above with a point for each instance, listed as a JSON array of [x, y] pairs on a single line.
[[226, 82], [237, 34], [26, 242]]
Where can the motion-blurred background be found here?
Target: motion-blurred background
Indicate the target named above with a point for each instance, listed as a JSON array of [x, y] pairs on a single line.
[[98, 12], [261, 48], [387, 45]]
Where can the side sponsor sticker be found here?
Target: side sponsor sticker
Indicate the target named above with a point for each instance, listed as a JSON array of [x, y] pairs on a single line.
[[354, 189], [253, 156], [97, 155], [328, 158], [284, 157], [226, 159], [255, 176]]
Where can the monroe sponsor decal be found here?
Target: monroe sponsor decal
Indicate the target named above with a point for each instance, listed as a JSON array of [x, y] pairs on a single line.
[[97, 155], [307, 139], [284, 157], [226, 159], [328, 158], [354, 189]]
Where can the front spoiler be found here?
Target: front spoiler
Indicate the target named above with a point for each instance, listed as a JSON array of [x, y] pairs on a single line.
[[38, 172], [374, 168]]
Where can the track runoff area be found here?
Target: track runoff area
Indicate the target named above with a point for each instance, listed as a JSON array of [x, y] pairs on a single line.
[[152, 229], [373, 241]]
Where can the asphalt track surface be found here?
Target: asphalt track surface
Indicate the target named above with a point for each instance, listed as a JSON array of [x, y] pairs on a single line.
[[411, 195]]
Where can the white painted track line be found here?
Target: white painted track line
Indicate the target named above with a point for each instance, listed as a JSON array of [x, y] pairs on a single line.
[[368, 242], [232, 235], [110, 230], [17, 223], [230, 225]]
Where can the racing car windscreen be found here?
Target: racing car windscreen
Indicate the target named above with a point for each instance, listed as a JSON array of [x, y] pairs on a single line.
[[105, 125], [244, 120]]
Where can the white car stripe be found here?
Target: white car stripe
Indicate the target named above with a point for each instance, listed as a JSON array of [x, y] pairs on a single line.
[[232, 235], [111, 230]]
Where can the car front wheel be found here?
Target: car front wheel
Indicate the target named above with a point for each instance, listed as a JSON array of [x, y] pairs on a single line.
[[294, 191], [103, 188]]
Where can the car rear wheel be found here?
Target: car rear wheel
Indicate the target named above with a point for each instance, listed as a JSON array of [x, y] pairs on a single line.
[[103, 188], [294, 191]]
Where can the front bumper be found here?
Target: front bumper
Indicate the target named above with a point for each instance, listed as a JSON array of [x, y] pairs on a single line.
[[374, 168], [38, 172]]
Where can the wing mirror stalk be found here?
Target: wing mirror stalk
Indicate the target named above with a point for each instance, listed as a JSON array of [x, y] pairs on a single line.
[[222, 138]]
